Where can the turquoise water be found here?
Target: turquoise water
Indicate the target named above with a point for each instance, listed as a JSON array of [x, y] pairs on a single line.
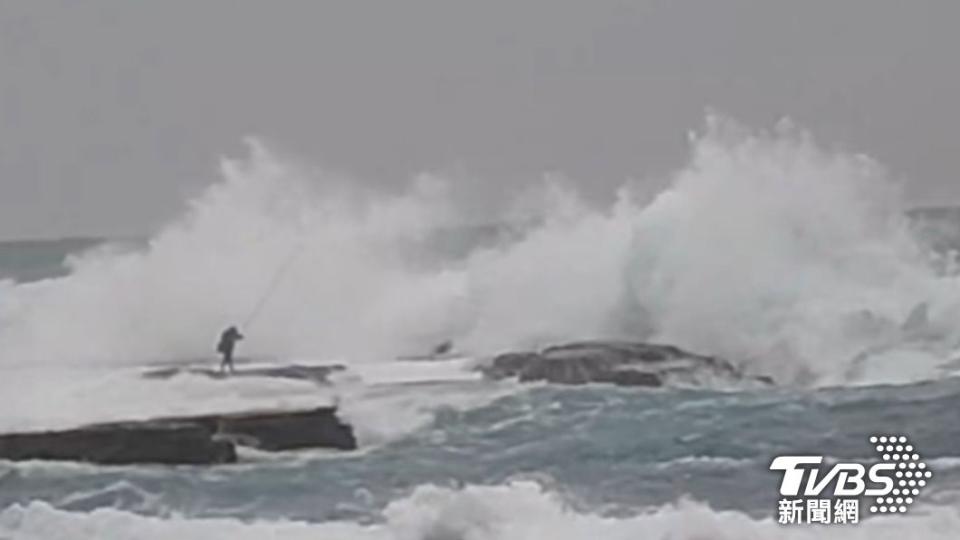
[[616, 450]]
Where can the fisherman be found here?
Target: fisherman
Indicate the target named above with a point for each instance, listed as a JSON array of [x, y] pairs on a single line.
[[228, 341]]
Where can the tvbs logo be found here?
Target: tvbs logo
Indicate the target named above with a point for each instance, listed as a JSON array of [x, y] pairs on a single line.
[[895, 481]]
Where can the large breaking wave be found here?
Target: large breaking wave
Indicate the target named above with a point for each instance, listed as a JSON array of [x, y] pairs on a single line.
[[766, 248]]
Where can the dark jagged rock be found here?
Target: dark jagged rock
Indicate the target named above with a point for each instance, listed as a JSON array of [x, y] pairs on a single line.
[[198, 440], [163, 442], [630, 377], [510, 364], [319, 428], [614, 362]]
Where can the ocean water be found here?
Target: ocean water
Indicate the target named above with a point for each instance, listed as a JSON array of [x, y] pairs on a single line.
[[34, 260], [791, 261]]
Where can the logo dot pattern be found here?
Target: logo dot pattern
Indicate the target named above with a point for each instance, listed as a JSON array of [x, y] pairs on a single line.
[[911, 473]]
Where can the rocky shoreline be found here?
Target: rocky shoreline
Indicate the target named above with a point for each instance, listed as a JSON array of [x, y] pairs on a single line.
[[213, 438]]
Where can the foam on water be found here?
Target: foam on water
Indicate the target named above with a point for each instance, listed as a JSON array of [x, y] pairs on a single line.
[[383, 414], [607, 462], [513, 511]]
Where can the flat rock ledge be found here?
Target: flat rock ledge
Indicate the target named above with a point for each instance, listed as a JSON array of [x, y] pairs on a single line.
[[200, 440], [316, 374], [616, 362]]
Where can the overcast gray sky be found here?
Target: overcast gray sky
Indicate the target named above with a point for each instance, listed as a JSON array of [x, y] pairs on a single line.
[[112, 112]]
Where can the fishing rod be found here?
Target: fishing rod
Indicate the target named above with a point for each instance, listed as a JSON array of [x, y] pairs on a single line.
[[274, 283]]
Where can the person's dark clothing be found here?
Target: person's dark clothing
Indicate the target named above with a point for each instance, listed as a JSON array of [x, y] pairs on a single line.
[[228, 341]]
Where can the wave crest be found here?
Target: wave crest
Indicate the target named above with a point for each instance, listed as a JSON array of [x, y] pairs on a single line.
[[766, 249]]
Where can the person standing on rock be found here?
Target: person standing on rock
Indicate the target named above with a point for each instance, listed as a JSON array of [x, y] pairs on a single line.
[[228, 341]]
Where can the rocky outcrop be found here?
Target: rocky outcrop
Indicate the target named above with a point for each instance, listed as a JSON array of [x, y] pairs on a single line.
[[319, 428], [615, 362], [163, 442], [199, 440]]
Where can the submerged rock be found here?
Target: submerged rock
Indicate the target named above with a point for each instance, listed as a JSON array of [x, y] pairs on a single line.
[[199, 440], [615, 362]]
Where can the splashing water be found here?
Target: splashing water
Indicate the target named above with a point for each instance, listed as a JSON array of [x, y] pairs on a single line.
[[517, 510], [765, 249], [770, 250]]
